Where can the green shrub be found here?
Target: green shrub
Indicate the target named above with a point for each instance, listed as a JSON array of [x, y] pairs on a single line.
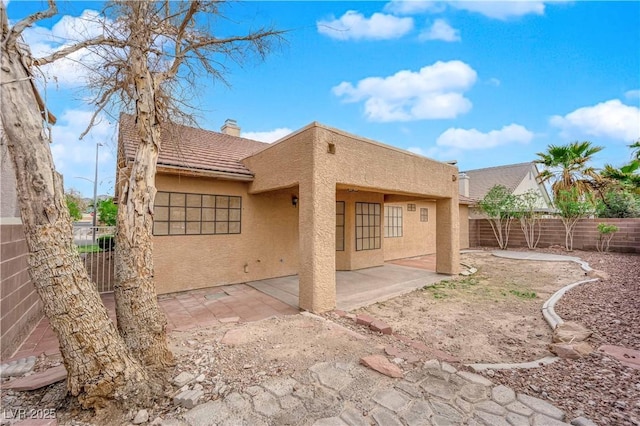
[[106, 242]]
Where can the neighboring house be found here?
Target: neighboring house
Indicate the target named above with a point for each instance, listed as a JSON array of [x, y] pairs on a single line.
[[517, 178], [21, 305], [231, 210]]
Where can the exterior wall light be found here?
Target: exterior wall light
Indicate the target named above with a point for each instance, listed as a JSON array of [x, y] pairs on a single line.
[[294, 200]]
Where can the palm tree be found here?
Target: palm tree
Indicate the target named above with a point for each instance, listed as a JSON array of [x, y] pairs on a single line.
[[566, 166], [628, 176]]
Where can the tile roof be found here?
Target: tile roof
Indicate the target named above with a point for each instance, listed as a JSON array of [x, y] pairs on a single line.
[[192, 148], [482, 180]]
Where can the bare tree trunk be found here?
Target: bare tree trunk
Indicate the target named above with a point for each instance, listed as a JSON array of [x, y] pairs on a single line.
[[140, 320], [100, 368]]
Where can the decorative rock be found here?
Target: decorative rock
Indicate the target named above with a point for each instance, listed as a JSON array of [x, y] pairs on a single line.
[[188, 398], [183, 378], [380, 327], [594, 273], [570, 332], [18, 367], [571, 350], [141, 417], [381, 365], [200, 378]]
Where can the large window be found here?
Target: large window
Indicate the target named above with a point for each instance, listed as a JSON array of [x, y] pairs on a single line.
[[177, 213], [392, 221], [339, 225], [367, 226]]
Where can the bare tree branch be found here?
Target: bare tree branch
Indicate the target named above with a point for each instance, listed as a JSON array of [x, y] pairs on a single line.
[[66, 51], [20, 26]]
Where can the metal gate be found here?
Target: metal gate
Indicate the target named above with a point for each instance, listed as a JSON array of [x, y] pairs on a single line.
[[95, 245]]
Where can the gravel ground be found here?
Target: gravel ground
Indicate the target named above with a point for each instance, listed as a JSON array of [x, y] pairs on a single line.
[[597, 386]]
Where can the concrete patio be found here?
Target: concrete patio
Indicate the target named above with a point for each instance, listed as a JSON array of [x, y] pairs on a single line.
[[355, 289], [261, 299]]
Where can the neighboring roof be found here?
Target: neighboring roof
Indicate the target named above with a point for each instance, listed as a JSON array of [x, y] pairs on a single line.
[[465, 200], [195, 149], [482, 180]]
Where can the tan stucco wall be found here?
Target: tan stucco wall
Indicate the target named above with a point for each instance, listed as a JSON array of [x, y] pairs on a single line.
[[268, 244], [321, 159], [464, 226], [350, 259], [418, 238]]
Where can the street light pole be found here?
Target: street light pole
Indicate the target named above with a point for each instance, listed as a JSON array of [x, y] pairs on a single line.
[[95, 196]]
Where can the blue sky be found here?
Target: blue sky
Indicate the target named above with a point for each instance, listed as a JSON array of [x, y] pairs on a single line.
[[484, 83]]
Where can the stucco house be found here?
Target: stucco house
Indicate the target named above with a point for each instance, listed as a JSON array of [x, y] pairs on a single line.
[[231, 210], [517, 178]]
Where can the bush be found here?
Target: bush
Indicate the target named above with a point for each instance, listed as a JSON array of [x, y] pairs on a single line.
[[106, 242], [107, 212]]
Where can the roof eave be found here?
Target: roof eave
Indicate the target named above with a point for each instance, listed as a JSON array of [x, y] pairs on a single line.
[[216, 174]]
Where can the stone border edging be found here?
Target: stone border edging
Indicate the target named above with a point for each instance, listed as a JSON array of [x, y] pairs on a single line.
[[548, 311]]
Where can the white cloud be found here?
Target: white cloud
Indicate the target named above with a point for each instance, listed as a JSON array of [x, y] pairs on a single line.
[[433, 92], [632, 94], [410, 7], [611, 119], [502, 10], [76, 158], [440, 30], [474, 139], [355, 26], [269, 136], [72, 70], [494, 82]]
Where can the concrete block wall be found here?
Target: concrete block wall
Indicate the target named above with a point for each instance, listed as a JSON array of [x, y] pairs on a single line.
[[20, 306], [627, 239]]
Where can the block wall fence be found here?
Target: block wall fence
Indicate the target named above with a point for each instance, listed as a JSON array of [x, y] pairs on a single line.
[[21, 308], [627, 239]]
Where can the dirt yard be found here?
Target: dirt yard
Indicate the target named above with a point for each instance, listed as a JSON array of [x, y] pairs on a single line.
[[491, 316]]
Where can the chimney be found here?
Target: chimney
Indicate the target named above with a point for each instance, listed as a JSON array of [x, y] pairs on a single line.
[[463, 181], [230, 127]]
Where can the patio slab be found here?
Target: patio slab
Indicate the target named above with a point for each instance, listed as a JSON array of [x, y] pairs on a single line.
[[185, 310], [355, 289]]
